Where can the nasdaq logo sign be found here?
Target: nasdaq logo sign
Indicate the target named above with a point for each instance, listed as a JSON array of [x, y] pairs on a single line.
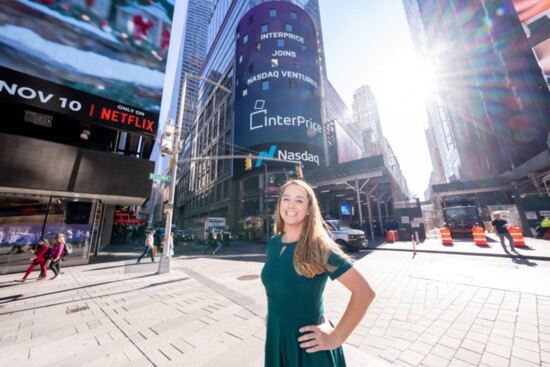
[[265, 154]]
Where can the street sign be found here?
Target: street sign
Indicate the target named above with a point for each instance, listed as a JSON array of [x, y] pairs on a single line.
[[156, 176]]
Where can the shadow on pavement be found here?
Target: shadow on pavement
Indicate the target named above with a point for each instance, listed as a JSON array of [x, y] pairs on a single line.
[[88, 298]]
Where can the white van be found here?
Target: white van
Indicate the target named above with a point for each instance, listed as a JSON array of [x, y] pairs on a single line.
[[348, 238]]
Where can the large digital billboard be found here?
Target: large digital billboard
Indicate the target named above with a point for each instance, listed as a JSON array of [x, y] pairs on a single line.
[[101, 61], [278, 87]]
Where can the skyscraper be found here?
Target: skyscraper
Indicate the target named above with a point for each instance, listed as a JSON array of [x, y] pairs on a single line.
[[366, 115], [491, 102], [199, 13]]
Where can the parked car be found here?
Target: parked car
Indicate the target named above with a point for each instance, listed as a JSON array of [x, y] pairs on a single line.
[[185, 235], [349, 239]]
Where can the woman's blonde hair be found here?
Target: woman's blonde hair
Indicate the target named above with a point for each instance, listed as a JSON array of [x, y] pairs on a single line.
[[314, 244]]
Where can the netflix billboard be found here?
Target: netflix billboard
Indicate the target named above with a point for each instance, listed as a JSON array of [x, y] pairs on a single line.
[[22, 88], [102, 62]]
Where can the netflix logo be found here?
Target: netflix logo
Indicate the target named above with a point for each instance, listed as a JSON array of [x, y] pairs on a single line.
[[22, 88]]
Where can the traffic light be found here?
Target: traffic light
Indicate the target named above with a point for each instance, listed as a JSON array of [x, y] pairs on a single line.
[[248, 164], [167, 141], [299, 173]]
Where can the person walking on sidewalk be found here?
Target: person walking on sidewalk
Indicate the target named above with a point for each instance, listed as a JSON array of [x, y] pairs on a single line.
[[501, 231], [149, 243], [56, 253], [40, 258], [219, 242], [299, 260], [210, 242]]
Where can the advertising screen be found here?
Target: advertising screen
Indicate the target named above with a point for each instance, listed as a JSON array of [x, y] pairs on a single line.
[[278, 87], [101, 61], [345, 210]]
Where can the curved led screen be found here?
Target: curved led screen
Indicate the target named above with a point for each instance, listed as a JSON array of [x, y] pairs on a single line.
[[278, 87]]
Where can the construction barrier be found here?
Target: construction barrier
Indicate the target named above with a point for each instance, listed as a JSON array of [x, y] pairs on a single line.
[[517, 236], [446, 238], [479, 236], [392, 236]]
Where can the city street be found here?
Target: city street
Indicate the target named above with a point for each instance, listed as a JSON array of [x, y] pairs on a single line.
[[432, 309]]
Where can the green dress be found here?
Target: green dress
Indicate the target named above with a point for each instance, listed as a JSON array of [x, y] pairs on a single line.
[[294, 301]]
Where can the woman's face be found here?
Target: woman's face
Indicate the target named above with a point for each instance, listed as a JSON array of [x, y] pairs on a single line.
[[294, 206]]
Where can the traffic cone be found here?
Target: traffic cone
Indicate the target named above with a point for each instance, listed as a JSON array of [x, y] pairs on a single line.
[[446, 238], [517, 236], [479, 236]]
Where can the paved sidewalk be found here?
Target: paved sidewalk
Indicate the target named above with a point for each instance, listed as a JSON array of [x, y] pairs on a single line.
[[535, 249], [432, 309], [208, 311]]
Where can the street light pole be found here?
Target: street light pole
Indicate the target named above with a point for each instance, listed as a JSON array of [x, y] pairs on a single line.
[[266, 204], [165, 263]]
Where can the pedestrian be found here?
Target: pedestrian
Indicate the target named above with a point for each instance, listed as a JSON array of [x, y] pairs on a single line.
[[171, 247], [501, 231], [219, 242], [40, 258], [56, 253], [148, 249], [299, 259], [210, 242], [391, 225]]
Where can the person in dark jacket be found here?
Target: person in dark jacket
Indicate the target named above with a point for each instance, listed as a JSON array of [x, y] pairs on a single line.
[[502, 232], [219, 242], [210, 242]]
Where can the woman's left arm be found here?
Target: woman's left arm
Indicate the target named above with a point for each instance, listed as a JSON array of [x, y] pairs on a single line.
[[324, 337]]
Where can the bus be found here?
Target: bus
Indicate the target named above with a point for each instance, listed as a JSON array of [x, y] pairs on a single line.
[[461, 214]]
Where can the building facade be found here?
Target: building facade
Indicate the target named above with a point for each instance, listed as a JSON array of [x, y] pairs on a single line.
[[490, 104], [270, 54], [76, 139], [366, 115]]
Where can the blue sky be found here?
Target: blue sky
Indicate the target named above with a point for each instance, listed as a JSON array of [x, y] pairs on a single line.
[[368, 42]]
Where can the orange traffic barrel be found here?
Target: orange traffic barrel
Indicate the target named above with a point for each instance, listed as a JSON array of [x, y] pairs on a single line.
[[392, 236], [479, 236], [517, 236], [446, 238]]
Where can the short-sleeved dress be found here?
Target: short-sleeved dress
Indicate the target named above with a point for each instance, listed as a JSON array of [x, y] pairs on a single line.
[[295, 301]]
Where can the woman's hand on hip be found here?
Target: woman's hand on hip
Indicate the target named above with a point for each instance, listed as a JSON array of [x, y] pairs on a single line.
[[319, 337]]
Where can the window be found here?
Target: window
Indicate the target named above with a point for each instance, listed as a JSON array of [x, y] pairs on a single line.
[[265, 85], [250, 68], [272, 12], [240, 58], [280, 42], [245, 39], [264, 28], [288, 27], [245, 92], [274, 62], [293, 15], [258, 46], [292, 83]]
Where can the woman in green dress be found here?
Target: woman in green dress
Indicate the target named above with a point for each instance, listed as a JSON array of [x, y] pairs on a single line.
[[299, 259]]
